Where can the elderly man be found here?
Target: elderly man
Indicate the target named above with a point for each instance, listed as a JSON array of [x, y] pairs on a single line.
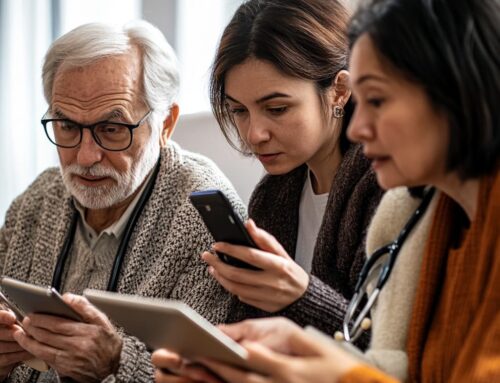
[[116, 215]]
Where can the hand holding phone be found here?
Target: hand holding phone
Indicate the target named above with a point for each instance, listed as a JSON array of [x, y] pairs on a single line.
[[5, 328], [223, 223]]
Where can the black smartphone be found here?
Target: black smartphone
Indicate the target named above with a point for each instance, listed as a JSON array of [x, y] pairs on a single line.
[[223, 223]]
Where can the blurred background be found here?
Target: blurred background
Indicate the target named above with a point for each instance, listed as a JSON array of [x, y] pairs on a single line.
[[27, 28]]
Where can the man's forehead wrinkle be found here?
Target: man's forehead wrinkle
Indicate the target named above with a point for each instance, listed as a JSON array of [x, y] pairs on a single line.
[[127, 95]]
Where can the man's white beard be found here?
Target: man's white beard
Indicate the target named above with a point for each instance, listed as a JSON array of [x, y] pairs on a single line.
[[102, 197]]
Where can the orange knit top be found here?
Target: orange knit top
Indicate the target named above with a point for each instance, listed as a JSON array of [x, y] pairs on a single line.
[[454, 333]]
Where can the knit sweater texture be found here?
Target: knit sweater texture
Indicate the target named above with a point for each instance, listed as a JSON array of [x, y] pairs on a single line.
[[340, 246], [162, 258]]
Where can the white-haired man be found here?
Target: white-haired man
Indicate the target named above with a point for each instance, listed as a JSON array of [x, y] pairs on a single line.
[[116, 215]]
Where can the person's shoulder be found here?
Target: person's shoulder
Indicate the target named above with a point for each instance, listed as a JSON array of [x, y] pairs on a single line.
[[188, 172], [47, 184], [193, 166], [49, 181]]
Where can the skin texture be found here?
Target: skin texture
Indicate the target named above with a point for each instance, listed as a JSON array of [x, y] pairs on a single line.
[[281, 282], [279, 351], [11, 353], [404, 135], [98, 92], [86, 352], [405, 144], [280, 119]]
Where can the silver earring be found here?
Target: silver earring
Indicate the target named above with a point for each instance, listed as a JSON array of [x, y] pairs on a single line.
[[338, 111]]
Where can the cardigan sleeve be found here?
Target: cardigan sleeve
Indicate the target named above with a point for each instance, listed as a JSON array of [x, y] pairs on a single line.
[[135, 363], [323, 307]]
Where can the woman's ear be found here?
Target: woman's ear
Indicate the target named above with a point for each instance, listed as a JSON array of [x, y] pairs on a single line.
[[169, 125], [341, 88]]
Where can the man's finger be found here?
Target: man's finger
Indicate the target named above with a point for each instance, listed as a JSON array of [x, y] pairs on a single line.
[[88, 312]]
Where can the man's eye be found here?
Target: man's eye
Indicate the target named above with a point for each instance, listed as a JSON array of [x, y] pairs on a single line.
[[110, 129], [68, 126]]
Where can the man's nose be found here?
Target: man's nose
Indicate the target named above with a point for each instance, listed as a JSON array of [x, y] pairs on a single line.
[[89, 152]]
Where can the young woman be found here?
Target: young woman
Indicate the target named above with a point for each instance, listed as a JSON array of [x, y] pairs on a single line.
[[425, 75], [280, 92], [279, 85]]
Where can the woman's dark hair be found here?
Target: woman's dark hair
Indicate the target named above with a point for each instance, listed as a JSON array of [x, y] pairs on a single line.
[[303, 38], [452, 49]]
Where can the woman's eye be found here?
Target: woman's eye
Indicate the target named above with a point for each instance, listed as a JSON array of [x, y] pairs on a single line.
[[376, 102], [278, 110], [236, 111]]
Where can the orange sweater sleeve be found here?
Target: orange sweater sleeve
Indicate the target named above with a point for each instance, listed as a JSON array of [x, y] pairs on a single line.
[[366, 374]]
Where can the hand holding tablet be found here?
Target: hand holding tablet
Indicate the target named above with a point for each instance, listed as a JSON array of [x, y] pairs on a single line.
[[30, 299], [169, 324]]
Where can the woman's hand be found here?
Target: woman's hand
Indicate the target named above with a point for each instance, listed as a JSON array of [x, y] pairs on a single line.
[[280, 282], [172, 368], [285, 354]]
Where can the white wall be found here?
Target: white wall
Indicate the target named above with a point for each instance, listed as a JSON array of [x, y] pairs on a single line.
[[200, 133]]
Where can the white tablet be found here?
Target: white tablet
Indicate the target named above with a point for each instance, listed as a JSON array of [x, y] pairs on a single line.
[[170, 324]]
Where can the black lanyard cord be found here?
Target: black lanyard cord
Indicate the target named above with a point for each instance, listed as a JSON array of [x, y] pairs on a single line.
[[122, 248]]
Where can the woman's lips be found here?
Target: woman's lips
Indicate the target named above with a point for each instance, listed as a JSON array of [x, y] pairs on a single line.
[[377, 162], [267, 158]]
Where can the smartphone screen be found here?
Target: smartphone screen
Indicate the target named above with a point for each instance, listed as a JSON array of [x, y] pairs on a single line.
[[223, 223]]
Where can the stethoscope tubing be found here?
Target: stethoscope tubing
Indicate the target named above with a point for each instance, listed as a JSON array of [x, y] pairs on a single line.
[[122, 248]]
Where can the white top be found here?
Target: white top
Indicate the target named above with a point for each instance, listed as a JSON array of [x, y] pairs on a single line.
[[311, 211]]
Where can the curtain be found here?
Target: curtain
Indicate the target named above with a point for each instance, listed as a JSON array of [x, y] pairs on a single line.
[[25, 34]]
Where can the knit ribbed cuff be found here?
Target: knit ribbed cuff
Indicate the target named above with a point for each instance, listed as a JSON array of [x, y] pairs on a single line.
[[135, 363]]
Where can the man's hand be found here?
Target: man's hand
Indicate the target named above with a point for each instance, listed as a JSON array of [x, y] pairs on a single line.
[[86, 352], [11, 353], [279, 283]]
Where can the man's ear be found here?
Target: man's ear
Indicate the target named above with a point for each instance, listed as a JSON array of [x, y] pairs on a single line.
[[341, 88], [169, 125]]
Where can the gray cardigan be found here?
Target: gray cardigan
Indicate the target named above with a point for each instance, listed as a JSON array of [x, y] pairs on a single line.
[[163, 256], [340, 247]]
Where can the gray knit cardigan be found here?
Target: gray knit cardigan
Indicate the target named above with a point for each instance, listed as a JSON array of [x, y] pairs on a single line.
[[340, 247], [163, 255]]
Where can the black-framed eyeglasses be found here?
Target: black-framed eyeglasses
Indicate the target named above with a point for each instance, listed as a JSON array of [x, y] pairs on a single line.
[[109, 135], [374, 275]]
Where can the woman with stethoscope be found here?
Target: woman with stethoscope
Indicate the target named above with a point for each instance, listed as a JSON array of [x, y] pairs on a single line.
[[426, 81]]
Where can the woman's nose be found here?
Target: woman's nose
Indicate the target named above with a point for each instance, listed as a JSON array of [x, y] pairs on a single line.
[[360, 127], [258, 131]]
